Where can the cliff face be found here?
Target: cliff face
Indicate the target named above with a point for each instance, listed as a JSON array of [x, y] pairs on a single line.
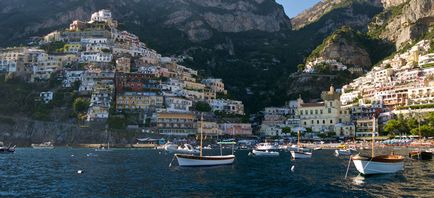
[[344, 46], [403, 21], [198, 19], [350, 16]]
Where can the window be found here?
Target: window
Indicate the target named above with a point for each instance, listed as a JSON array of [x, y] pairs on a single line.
[[311, 121], [331, 121], [329, 110], [340, 120], [331, 104], [316, 111], [323, 121], [321, 111], [301, 112], [307, 112], [317, 122], [311, 112]]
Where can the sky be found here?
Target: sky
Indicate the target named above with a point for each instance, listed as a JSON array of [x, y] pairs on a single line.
[[294, 7]]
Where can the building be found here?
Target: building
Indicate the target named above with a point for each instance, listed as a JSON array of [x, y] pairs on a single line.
[[123, 65], [236, 129], [215, 84], [227, 106], [323, 116], [209, 129], [96, 57], [176, 124], [177, 104], [138, 101], [101, 16], [46, 97]]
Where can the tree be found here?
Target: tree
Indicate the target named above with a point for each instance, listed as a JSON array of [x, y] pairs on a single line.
[[392, 126], [80, 105], [425, 130], [286, 130], [301, 67], [202, 107]]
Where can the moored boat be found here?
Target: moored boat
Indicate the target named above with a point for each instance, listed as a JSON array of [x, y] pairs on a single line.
[[265, 153], [379, 164], [265, 146], [45, 145], [6, 149], [343, 152], [421, 155], [301, 154], [192, 160]]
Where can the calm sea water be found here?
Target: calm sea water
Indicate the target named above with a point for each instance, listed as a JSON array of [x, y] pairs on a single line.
[[146, 173]]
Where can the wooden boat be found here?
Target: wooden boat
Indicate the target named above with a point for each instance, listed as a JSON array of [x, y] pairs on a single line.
[[300, 153], [192, 160], [378, 164], [421, 155]]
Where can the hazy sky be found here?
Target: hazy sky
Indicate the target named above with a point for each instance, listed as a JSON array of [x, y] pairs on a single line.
[[293, 7]]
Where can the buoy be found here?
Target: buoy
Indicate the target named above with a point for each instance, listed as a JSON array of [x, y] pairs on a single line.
[[72, 155], [80, 171], [292, 168]]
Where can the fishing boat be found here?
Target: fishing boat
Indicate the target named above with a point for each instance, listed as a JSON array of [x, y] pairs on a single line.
[[265, 153], [101, 147], [186, 149], [300, 153], [378, 164], [169, 146], [45, 145], [193, 160]]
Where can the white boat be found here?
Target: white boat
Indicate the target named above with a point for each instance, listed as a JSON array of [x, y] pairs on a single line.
[[265, 153], [378, 164], [101, 147], [300, 152], [45, 145], [317, 148], [185, 149], [343, 152], [192, 160], [171, 147], [265, 146]]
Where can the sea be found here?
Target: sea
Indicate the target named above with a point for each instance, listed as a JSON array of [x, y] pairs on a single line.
[[79, 172]]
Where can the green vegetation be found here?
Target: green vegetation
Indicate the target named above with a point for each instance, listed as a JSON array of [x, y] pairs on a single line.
[[411, 125], [117, 122], [54, 47], [381, 20], [202, 107]]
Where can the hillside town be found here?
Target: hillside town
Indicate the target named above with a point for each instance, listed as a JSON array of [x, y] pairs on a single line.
[[118, 76], [400, 85]]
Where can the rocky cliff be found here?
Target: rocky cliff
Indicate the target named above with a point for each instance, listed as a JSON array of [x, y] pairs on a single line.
[[24, 132], [345, 46], [352, 15], [403, 21]]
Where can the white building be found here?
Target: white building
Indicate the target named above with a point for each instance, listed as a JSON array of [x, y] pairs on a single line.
[[8, 66], [215, 84], [178, 104], [101, 16], [95, 57], [46, 97], [227, 106]]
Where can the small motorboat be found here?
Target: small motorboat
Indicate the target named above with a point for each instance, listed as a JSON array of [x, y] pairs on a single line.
[[265, 153], [420, 155], [45, 145], [186, 149], [265, 146], [343, 152], [6, 150]]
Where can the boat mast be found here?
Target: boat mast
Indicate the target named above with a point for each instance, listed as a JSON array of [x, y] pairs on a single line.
[[201, 133], [298, 140], [373, 135]]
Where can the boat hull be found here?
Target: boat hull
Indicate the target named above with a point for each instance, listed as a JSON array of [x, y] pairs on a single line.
[[301, 155], [343, 152], [191, 160], [369, 166]]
